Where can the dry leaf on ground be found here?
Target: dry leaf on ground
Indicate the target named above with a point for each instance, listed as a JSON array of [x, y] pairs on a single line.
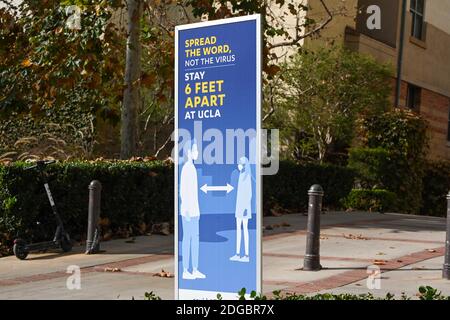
[[163, 274], [379, 262], [354, 237]]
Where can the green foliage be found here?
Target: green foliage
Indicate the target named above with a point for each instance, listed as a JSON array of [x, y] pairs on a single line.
[[276, 32], [370, 164], [436, 185], [253, 295], [403, 135], [430, 293], [55, 76], [370, 200], [133, 193], [64, 133], [46, 64], [319, 97], [241, 294], [151, 296], [289, 187], [398, 130], [424, 293], [330, 296]]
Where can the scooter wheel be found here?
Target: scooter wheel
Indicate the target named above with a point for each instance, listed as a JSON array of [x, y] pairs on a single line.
[[20, 250], [66, 244]]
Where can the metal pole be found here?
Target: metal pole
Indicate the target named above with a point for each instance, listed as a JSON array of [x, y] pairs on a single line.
[[446, 269], [93, 242], [312, 256], [400, 55]]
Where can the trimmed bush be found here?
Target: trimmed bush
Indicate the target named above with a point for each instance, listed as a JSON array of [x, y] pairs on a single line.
[[370, 200], [436, 185], [134, 195], [288, 189]]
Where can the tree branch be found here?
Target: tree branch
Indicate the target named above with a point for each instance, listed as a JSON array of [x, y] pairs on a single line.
[[272, 106], [163, 146], [181, 4], [299, 37]]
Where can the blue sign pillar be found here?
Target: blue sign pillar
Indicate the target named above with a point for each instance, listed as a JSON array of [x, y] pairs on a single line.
[[217, 158]]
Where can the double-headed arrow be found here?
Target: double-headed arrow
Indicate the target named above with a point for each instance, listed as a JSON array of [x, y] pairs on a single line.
[[205, 188]]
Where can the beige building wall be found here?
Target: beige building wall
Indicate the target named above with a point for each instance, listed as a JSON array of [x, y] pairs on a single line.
[[426, 64], [344, 14], [438, 14], [289, 22]]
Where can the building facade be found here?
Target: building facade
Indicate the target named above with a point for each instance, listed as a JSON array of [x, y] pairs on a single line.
[[373, 27]]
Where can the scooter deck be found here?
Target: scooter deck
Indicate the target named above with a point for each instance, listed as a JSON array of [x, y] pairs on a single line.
[[43, 245]]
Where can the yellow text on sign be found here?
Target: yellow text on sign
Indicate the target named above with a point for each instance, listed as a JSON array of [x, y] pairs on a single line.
[[206, 94]]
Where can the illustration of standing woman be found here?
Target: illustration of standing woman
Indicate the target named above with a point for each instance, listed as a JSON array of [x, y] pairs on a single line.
[[243, 208], [190, 212]]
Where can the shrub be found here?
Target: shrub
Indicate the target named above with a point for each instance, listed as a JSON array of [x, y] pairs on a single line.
[[133, 193], [319, 96], [288, 189], [370, 200], [370, 165], [424, 293], [402, 134], [436, 184]]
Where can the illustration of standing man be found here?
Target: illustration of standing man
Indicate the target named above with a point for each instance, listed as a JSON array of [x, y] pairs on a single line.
[[190, 212]]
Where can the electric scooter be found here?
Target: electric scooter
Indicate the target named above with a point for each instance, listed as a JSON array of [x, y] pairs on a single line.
[[60, 240]]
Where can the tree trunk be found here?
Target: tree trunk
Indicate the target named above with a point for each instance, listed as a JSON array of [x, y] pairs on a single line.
[[131, 95]]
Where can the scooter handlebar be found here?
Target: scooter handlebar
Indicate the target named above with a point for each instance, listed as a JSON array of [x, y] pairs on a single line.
[[40, 164]]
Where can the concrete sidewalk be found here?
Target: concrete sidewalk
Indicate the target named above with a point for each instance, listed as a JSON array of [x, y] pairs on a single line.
[[408, 250]]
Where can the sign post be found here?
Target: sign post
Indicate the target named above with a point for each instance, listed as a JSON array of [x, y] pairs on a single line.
[[217, 158]]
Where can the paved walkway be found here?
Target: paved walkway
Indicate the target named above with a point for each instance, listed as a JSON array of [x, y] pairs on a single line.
[[407, 249]]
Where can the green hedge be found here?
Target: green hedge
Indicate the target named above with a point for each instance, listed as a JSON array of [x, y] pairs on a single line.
[[288, 189], [370, 200], [134, 193], [436, 185]]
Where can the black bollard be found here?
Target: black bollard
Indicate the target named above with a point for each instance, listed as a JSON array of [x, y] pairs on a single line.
[[93, 233], [312, 256], [446, 269]]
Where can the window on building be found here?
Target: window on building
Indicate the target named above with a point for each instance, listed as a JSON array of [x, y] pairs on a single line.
[[417, 11], [413, 97]]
